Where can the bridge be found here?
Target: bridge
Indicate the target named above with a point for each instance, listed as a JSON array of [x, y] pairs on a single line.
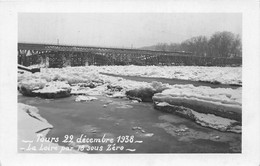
[[68, 55]]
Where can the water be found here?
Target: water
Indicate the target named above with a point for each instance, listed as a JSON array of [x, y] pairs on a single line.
[[159, 132]]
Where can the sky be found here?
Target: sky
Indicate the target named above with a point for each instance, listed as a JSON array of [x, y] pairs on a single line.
[[122, 29]]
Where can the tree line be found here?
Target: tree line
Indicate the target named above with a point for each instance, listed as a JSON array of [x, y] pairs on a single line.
[[220, 44]]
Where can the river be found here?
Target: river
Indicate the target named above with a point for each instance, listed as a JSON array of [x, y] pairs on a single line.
[[146, 129]]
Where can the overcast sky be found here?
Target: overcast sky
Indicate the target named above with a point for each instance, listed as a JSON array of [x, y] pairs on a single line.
[[122, 30]]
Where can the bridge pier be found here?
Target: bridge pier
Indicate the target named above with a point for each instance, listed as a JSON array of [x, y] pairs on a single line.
[[22, 60]]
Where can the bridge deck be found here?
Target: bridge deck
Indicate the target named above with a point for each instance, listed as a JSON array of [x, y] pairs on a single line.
[[53, 47], [59, 55]]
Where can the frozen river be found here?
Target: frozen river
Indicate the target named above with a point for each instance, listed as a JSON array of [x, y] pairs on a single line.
[[134, 127], [151, 131], [172, 81]]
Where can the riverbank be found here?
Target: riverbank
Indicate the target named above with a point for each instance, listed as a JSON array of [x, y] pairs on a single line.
[[32, 131]]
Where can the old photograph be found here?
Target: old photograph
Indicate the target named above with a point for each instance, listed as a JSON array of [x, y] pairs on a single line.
[[129, 83]]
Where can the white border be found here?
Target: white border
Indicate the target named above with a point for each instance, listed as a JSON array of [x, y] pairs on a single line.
[[251, 74]]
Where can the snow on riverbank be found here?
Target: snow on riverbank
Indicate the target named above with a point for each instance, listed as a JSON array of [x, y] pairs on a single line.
[[224, 75], [31, 113], [32, 131]]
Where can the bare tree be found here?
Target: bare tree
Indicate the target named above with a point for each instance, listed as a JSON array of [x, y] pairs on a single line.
[[236, 48], [222, 44], [161, 47], [198, 45], [174, 47]]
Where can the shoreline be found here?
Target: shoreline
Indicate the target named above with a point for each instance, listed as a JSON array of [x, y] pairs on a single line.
[[32, 131]]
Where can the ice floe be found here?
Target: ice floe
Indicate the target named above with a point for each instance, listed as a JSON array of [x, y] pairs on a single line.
[[203, 119], [224, 75], [85, 98], [222, 102], [44, 89], [204, 105]]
